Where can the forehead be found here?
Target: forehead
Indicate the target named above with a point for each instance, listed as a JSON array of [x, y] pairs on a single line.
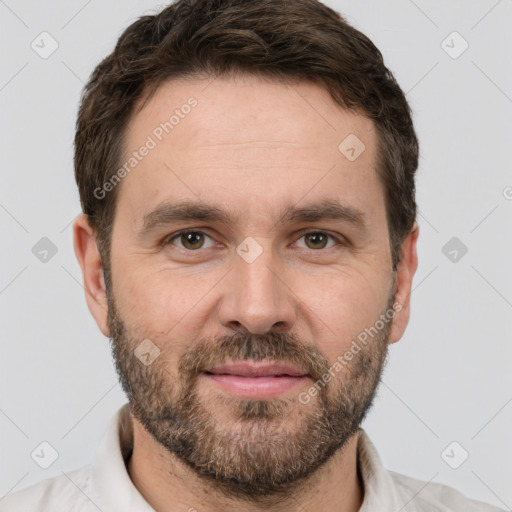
[[243, 106], [248, 139]]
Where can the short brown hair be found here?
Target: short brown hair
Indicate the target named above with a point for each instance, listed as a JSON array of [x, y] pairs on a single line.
[[301, 40]]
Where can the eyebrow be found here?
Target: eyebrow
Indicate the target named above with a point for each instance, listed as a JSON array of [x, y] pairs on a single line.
[[167, 213], [324, 210]]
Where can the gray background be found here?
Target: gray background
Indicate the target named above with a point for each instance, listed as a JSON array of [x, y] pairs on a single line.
[[449, 377]]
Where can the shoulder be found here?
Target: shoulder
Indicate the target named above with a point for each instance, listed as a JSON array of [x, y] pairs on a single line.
[[69, 491], [435, 497]]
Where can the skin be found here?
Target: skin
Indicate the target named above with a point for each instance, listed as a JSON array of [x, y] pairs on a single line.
[[253, 147]]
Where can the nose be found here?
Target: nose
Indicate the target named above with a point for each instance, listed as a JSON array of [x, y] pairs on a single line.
[[257, 297]]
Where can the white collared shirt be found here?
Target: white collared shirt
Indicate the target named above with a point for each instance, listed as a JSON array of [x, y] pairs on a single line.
[[105, 485]]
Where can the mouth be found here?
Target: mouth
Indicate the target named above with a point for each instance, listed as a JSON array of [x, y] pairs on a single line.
[[256, 380]]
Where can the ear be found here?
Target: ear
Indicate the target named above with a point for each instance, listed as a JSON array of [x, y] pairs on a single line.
[[404, 275], [89, 259]]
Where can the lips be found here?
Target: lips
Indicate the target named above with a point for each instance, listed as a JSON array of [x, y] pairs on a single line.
[[247, 369], [256, 380]]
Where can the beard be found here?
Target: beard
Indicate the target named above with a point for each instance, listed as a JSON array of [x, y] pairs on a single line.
[[247, 449]]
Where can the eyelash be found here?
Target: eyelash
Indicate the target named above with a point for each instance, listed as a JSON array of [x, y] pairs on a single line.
[[168, 240]]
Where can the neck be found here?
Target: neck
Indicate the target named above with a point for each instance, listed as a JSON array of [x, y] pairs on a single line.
[[168, 485]]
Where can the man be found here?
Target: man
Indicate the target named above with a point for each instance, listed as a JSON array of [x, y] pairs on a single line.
[[246, 173]]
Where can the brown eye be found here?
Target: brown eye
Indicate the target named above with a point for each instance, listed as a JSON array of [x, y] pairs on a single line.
[[316, 240], [190, 240], [319, 240]]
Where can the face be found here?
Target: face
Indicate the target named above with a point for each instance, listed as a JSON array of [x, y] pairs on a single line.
[[245, 235]]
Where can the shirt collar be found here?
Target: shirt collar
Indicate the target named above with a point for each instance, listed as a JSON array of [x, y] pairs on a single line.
[[115, 492], [110, 479], [379, 488]]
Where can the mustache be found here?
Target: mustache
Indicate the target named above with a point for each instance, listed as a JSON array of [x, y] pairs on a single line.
[[278, 347]]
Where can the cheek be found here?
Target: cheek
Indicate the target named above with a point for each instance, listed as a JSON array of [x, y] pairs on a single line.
[[163, 301], [342, 306]]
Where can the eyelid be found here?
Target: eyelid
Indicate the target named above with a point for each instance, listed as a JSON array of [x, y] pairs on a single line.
[[339, 239], [168, 239]]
